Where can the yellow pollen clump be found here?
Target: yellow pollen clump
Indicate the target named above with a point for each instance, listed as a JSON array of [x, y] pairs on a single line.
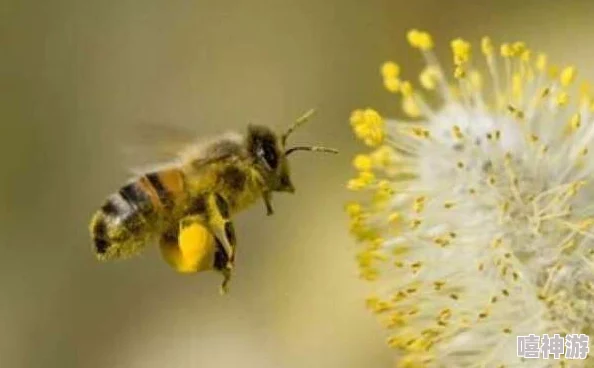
[[487, 46], [518, 48], [362, 162], [390, 69], [394, 218], [368, 126], [562, 99], [419, 39], [406, 89], [567, 76], [382, 156], [392, 84], [354, 209], [429, 77], [461, 51], [410, 107], [506, 50], [364, 180]]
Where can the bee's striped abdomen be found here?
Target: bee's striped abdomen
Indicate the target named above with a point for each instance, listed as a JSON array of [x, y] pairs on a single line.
[[129, 218]]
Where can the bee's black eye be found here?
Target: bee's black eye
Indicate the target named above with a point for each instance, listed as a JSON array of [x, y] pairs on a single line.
[[268, 154]]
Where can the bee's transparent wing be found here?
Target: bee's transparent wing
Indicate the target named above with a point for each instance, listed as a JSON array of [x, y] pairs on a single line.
[[151, 145]]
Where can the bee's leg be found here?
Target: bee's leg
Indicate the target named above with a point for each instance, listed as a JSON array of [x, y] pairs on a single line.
[[221, 226], [220, 264], [267, 196]]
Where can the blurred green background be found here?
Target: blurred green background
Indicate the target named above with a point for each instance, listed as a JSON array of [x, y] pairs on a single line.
[[76, 75]]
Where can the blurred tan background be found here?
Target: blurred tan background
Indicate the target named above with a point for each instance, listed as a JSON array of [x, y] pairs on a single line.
[[76, 74]]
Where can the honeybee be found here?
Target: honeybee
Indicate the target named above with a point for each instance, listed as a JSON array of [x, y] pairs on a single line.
[[188, 206]]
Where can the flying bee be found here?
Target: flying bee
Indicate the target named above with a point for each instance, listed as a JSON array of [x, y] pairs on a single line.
[[188, 206]]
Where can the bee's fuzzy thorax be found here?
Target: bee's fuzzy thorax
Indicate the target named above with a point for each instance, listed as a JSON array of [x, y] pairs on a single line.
[[479, 226]]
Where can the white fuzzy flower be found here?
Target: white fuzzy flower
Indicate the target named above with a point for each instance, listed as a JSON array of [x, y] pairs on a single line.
[[480, 226]]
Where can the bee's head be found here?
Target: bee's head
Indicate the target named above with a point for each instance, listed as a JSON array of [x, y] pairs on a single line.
[[270, 153]]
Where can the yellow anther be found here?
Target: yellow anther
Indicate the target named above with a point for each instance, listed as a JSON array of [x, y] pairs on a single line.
[[518, 48], [354, 185], [442, 242], [382, 156], [575, 122], [541, 63], [487, 46], [385, 187], [354, 209], [497, 242], [394, 218], [410, 107], [461, 51], [396, 320], [506, 50], [420, 132], [364, 180], [517, 113], [457, 132], [390, 69], [419, 204], [526, 55], [419, 39], [363, 162], [400, 251], [567, 76], [562, 99], [368, 126], [406, 89], [429, 77], [438, 285], [416, 265], [415, 223], [545, 92], [392, 84]]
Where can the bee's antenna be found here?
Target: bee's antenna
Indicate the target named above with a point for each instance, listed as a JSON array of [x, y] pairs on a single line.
[[299, 122], [310, 148]]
